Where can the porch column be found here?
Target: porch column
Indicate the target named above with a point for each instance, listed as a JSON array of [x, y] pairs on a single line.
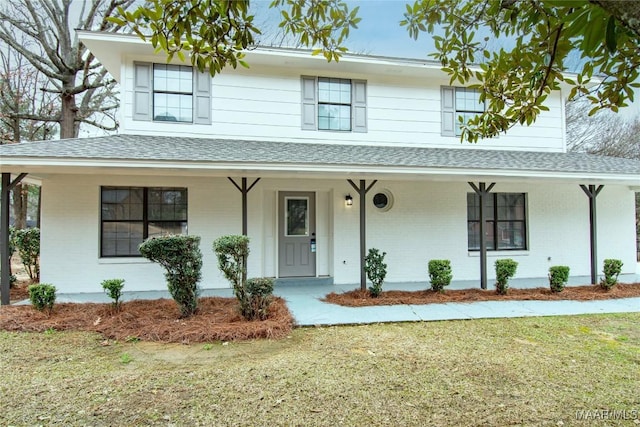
[[244, 190], [592, 193], [482, 191], [5, 263], [362, 190]]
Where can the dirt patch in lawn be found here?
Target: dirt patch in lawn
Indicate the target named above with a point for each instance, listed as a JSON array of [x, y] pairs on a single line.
[[217, 319], [358, 298]]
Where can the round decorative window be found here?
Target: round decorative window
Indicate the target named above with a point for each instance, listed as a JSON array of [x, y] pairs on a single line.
[[383, 200]]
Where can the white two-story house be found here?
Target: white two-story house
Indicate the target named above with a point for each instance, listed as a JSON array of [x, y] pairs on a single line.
[[285, 151]]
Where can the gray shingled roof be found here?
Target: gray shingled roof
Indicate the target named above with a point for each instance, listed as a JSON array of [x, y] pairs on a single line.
[[221, 151]]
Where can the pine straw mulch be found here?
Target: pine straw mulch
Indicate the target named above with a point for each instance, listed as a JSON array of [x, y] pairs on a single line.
[[217, 319], [20, 290], [359, 298]]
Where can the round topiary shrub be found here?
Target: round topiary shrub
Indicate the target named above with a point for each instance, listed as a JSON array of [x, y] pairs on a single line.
[[558, 277], [42, 296], [440, 274]]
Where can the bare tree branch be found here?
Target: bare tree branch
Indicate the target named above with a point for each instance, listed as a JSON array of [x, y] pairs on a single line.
[[49, 44]]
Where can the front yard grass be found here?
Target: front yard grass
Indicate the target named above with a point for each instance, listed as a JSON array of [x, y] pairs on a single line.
[[530, 371]]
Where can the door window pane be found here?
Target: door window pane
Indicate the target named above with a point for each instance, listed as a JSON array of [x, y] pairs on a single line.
[[297, 217]]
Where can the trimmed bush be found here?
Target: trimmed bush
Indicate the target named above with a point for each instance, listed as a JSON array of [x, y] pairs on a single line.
[[376, 270], [254, 295], [260, 294], [505, 270], [27, 241], [113, 288], [232, 252], [181, 257], [42, 296], [558, 277], [440, 274], [612, 269]]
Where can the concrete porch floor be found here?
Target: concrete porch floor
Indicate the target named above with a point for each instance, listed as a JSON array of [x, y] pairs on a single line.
[[304, 302]]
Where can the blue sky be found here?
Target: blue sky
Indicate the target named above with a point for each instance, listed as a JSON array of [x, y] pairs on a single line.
[[379, 32]]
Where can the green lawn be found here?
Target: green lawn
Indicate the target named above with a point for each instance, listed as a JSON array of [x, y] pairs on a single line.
[[534, 371]]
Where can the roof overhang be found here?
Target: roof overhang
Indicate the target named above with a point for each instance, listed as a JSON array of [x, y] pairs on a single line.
[[39, 173], [138, 155], [111, 49]]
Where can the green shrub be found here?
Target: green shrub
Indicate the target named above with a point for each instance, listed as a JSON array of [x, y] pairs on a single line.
[[505, 270], [254, 295], [558, 277], [181, 257], [27, 241], [232, 252], [42, 296], [259, 291], [440, 274], [612, 269], [12, 249], [113, 288], [376, 270]]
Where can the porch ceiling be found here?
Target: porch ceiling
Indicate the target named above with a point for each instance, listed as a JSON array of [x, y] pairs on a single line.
[[149, 155]]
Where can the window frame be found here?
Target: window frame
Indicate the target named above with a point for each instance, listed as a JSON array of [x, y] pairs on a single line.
[[145, 221], [310, 105], [494, 220], [142, 102], [451, 111], [338, 81], [154, 91], [462, 112]]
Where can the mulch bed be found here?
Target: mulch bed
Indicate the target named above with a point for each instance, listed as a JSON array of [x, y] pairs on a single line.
[[217, 319], [20, 290], [358, 298]]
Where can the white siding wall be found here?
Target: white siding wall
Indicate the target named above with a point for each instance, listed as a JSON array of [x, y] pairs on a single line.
[[264, 104], [428, 220]]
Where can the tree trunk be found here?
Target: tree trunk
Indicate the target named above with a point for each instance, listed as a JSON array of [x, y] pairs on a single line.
[[20, 195], [68, 113]]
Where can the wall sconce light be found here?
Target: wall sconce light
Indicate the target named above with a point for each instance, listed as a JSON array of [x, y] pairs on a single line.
[[348, 200]]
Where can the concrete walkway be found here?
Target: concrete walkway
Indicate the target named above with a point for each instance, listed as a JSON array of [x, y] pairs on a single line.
[[304, 302]]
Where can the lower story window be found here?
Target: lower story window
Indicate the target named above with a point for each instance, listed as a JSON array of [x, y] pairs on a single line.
[[129, 215], [506, 222]]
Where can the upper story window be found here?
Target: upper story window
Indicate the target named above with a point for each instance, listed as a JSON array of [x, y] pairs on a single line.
[[171, 93], [334, 104], [459, 102], [129, 215], [506, 221]]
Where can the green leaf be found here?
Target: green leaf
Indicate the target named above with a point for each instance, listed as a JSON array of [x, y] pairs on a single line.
[[611, 40]]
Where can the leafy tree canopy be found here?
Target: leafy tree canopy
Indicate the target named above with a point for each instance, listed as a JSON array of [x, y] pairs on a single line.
[[515, 81]]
